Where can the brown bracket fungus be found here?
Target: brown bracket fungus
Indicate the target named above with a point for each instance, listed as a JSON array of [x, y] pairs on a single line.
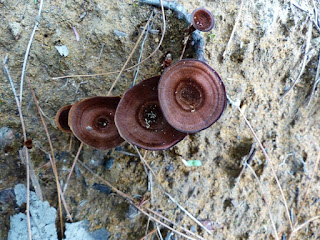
[[202, 20], [192, 95], [140, 121], [92, 122], [62, 119]]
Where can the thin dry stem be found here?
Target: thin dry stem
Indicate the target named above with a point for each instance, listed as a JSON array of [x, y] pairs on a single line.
[[304, 63], [316, 81], [304, 224], [184, 46], [268, 159], [265, 200], [235, 26], [62, 196], [86, 75], [27, 156], [136, 204], [24, 66], [54, 167], [308, 187], [136, 65], [72, 167], [128, 59], [149, 234], [170, 197]]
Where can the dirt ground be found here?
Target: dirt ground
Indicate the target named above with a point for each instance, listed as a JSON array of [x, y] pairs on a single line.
[[270, 42]]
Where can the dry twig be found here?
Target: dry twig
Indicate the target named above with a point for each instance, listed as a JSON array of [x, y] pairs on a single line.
[[267, 158], [265, 200], [54, 167], [170, 197], [304, 63], [142, 209], [27, 156], [134, 66], [24, 66], [235, 26]]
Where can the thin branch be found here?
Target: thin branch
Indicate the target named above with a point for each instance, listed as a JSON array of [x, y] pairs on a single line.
[[316, 82], [235, 26], [304, 63], [170, 197], [304, 224], [72, 167], [33, 177], [27, 156], [128, 59], [54, 167], [308, 187], [265, 200], [141, 50], [189, 214], [267, 158], [136, 204], [24, 66]]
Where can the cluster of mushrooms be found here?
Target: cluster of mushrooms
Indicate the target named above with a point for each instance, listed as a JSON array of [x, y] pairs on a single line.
[[158, 112]]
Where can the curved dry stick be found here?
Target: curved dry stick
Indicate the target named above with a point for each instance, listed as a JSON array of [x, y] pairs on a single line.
[[27, 156], [128, 59], [303, 224], [169, 196], [233, 30], [134, 66], [304, 200], [136, 204], [265, 200], [24, 66], [267, 158], [54, 167], [72, 167]]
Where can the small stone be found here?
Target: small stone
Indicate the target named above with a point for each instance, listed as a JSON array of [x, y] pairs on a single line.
[[119, 34], [15, 29], [6, 136], [109, 163], [193, 228], [63, 50]]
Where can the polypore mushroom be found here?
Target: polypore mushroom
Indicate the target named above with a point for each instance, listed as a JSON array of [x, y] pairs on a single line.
[[92, 122], [62, 119], [191, 95], [202, 20], [140, 121]]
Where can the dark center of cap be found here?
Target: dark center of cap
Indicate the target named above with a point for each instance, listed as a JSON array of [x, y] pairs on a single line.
[[150, 116], [189, 95], [101, 122]]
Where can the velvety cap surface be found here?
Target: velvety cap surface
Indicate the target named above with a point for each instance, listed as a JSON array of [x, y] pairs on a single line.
[[140, 120], [92, 122], [192, 96]]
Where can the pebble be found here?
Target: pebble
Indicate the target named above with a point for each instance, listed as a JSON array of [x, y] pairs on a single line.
[[6, 136], [109, 163]]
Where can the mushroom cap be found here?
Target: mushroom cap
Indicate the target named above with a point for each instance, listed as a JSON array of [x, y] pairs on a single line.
[[191, 95], [202, 19], [92, 122], [140, 121], [62, 119]]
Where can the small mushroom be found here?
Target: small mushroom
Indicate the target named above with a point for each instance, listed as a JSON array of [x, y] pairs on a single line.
[[62, 119], [92, 122], [202, 20], [191, 95], [140, 120]]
